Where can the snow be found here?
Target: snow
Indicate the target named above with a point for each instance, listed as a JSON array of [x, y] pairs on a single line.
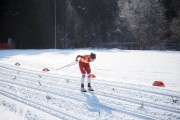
[[9, 116], [123, 85]]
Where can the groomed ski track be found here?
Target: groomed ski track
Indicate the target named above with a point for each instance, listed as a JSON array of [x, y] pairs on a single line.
[[60, 96]]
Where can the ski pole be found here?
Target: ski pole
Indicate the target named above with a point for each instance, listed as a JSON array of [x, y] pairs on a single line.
[[68, 65]]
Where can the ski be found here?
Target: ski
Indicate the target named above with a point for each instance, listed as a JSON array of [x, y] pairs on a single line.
[[83, 90], [91, 90]]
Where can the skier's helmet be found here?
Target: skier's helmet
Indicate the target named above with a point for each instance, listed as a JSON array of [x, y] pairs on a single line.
[[93, 56]]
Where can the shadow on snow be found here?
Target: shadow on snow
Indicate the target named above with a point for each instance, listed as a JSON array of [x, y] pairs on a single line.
[[95, 105]]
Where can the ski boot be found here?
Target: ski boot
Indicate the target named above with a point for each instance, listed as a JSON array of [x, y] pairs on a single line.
[[83, 90], [89, 87]]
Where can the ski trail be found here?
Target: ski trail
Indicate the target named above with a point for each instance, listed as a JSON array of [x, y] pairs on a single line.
[[120, 96], [57, 78], [109, 107], [63, 95], [117, 96], [48, 110], [108, 99]]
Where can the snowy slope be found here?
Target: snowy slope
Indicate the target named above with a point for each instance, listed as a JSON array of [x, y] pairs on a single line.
[[123, 87]]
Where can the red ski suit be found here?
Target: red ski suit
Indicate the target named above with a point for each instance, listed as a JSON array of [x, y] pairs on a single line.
[[84, 63]]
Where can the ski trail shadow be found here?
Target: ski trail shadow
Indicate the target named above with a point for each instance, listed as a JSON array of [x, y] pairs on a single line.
[[95, 105]]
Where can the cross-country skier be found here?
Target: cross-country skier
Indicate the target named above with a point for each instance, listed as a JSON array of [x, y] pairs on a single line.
[[85, 68]]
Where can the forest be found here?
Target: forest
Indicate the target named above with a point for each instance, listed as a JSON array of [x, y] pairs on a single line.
[[68, 24]]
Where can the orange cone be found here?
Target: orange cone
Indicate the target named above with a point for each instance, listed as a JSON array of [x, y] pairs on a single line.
[[93, 76], [158, 83]]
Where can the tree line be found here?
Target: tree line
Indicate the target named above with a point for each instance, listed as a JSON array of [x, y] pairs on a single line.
[[125, 24]]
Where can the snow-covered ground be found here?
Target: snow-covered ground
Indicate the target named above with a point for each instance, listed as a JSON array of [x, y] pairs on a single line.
[[123, 85]]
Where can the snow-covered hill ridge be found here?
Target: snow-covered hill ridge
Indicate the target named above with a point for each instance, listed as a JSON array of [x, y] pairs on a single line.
[[59, 96]]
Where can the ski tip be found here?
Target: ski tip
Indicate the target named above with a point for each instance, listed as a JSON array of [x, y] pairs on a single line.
[[83, 90], [91, 90]]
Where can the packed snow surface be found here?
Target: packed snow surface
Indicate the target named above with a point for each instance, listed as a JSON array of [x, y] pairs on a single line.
[[123, 85]]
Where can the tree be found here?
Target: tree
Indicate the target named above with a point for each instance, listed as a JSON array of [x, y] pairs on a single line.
[[146, 21], [175, 27], [98, 20]]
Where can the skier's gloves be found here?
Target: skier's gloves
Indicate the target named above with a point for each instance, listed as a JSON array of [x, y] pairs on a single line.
[[77, 59]]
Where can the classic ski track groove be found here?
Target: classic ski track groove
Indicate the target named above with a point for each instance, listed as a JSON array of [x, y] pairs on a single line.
[[44, 80], [65, 78], [62, 84], [38, 106], [114, 107], [50, 75], [28, 72], [53, 85], [120, 97]]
